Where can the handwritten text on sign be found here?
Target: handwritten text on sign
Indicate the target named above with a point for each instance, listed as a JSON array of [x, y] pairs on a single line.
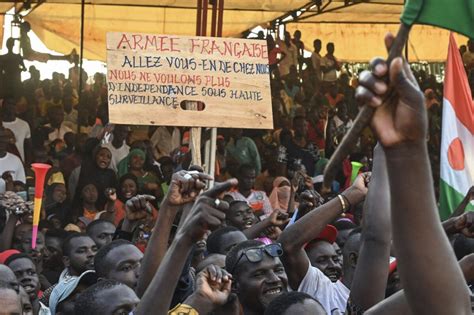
[[149, 76]]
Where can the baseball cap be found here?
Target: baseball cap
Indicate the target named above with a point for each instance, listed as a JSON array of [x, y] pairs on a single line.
[[66, 287]]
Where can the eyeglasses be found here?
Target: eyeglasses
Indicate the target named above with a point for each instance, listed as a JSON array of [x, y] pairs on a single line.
[[255, 254]]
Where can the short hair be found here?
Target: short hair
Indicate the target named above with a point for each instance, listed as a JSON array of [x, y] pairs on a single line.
[[100, 261], [344, 224], [352, 244], [281, 303], [246, 167], [91, 225], [214, 238], [61, 234], [67, 242], [14, 257], [87, 302], [234, 254]]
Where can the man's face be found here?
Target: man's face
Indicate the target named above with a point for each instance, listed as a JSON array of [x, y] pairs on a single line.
[[229, 240], [55, 253], [259, 283], [10, 302], [120, 133], [125, 262], [59, 193], [81, 256], [137, 162], [317, 46], [7, 275], [120, 300], [323, 256], [241, 216], [102, 233], [247, 179], [300, 127], [37, 253], [56, 117], [25, 272]]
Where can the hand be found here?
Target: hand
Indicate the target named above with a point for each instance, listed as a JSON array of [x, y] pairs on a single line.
[[465, 224], [110, 194], [278, 218], [138, 207], [273, 232], [309, 200], [214, 284], [357, 192], [207, 213], [185, 186], [7, 176], [400, 115]]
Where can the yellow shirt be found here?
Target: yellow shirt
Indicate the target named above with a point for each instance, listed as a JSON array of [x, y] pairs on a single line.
[[183, 309]]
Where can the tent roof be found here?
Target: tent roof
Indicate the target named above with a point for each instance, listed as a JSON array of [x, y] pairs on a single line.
[[356, 27], [57, 22]]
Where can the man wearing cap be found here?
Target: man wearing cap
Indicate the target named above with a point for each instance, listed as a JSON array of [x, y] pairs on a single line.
[[64, 294], [304, 277]]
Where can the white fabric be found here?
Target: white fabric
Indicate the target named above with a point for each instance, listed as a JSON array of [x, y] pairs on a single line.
[[58, 133], [117, 154], [44, 310], [316, 61], [257, 199], [459, 180], [164, 142], [21, 129], [14, 165], [330, 76], [332, 296]]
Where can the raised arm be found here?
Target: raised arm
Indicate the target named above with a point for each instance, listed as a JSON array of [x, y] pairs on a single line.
[[183, 190], [309, 227], [205, 215], [370, 278], [425, 258]]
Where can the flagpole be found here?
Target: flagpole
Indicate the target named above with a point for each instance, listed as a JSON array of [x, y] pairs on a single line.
[[363, 118]]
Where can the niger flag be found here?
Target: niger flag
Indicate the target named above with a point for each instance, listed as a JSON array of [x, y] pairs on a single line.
[[457, 142]]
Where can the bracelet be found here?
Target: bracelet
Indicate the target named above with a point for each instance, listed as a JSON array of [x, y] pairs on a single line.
[[343, 204], [349, 205]]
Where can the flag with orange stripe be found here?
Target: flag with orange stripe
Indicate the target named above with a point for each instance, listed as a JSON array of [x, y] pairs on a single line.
[[457, 141]]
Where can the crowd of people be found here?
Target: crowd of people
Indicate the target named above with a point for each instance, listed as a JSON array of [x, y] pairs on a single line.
[[130, 226]]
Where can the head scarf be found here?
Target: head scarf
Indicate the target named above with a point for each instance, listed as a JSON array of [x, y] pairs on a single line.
[[280, 196], [124, 165]]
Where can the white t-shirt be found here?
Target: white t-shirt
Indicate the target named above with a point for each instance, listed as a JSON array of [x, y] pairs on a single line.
[[12, 164], [21, 129], [58, 133], [332, 296], [117, 154]]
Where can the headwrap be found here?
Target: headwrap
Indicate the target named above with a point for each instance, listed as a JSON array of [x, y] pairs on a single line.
[[124, 164], [280, 196]]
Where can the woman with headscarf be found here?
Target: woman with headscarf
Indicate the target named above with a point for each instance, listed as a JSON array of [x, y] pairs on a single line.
[[96, 169], [134, 163], [281, 193]]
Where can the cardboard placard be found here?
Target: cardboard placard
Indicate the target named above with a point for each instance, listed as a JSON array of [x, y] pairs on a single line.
[[149, 76]]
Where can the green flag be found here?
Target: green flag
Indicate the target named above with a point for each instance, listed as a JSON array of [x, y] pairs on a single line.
[[455, 15]]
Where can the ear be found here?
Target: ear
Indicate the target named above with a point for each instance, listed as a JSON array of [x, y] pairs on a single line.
[[353, 259], [235, 287], [66, 261]]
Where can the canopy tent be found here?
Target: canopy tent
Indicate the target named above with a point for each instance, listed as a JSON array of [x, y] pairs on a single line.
[[57, 22], [357, 29]]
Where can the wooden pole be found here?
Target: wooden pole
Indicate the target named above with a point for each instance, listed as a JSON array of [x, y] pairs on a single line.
[[83, 5]]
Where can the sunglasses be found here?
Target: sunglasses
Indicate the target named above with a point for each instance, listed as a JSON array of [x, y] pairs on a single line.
[[255, 254]]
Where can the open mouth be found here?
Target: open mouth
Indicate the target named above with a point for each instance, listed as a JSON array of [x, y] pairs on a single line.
[[29, 288], [90, 265], [248, 223], [333, 276], [128, 195], [273, 291]]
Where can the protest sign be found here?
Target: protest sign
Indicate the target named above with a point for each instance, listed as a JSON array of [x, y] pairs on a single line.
[[150, 77]]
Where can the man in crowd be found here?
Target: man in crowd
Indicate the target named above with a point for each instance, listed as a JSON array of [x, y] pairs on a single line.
[[11, 167], [19, 127]]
